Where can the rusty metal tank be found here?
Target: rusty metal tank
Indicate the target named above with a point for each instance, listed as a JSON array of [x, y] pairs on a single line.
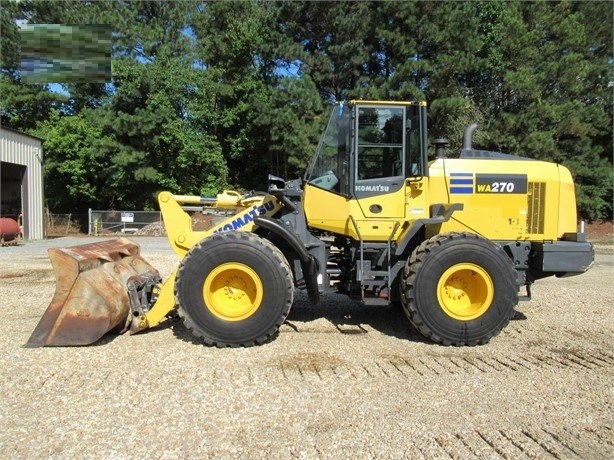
[[9, 231]]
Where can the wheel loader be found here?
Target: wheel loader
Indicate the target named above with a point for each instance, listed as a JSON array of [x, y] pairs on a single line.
[[454, 240]]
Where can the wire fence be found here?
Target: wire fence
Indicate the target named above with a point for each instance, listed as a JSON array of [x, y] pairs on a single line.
[[125, 222], [113, 223], [62, 224]]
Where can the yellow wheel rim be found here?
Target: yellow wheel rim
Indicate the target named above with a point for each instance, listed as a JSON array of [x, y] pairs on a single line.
[[465, 291], [233, 291]]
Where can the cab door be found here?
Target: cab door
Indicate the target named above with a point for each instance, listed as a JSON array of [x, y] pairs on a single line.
[[380, 160], [417, 171]]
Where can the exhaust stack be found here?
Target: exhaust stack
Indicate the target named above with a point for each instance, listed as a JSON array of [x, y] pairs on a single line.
[[469, 136]]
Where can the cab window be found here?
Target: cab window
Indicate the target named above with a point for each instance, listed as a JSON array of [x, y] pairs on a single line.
[[379, 142]]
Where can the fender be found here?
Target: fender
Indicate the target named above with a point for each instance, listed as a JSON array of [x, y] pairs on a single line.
[[440, 213], [309, 264]]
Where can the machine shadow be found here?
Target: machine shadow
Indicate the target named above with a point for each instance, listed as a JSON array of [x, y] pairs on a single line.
[[350, 317], [345, 316]]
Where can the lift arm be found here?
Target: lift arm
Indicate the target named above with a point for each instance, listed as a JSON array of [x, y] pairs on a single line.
[[182, 238]]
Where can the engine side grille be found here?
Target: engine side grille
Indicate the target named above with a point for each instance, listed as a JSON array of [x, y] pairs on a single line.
[[536, 199]]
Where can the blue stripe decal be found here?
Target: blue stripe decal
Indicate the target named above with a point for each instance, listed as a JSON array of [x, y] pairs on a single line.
[[461, 183], [464, 190]]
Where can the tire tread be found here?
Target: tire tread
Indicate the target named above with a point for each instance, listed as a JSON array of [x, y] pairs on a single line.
[[408, 281], [262, 245]]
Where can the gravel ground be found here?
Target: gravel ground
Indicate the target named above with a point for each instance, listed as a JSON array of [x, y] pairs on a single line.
[[339, 381]]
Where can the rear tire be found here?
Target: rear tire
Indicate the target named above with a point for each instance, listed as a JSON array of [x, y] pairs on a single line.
[[459, 289], [234, 289]]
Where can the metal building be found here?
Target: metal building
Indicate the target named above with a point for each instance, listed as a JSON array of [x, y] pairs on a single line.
[[21, 181]]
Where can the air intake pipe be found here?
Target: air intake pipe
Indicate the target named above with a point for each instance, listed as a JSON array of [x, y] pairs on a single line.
[[440, 147]]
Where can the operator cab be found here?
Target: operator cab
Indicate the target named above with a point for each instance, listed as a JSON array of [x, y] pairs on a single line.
[[370, 148]]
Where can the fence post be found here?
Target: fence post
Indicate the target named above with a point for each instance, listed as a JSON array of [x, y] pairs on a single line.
[[89, 221], [48, 216]]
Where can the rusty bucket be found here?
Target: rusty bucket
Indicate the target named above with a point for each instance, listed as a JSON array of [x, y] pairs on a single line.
[[94, 286]]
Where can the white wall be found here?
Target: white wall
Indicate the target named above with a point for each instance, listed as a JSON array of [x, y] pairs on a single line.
[[21, 149]]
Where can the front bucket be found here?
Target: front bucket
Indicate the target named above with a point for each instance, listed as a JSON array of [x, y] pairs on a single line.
[[91, 296]]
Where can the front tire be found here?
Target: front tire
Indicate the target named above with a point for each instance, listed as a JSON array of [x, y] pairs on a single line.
[[234, 289], [459, 289]]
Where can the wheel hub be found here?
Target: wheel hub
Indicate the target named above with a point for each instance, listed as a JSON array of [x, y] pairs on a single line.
[[235, 288], [233, 291], [465, 291]]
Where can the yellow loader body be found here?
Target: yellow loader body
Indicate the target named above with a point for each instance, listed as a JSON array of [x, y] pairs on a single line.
[[452, 239], [545, 208]]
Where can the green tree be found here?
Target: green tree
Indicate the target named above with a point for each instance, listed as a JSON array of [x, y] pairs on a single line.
[[206, 93], [235, 50], [149, 125], [293, 120], [76, 161], [334, 40], [22, 104], [555, 98], [160, 108], [535, 76]]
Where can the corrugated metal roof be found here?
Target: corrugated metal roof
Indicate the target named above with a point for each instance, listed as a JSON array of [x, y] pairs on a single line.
[[7, 128]]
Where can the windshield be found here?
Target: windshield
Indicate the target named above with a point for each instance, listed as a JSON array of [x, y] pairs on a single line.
[[328, 168]]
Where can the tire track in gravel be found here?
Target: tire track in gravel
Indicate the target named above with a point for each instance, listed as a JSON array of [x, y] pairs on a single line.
[[501, 440], [326, 367], [513, 443], [580, 334], [505, 442], [323, 366]]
